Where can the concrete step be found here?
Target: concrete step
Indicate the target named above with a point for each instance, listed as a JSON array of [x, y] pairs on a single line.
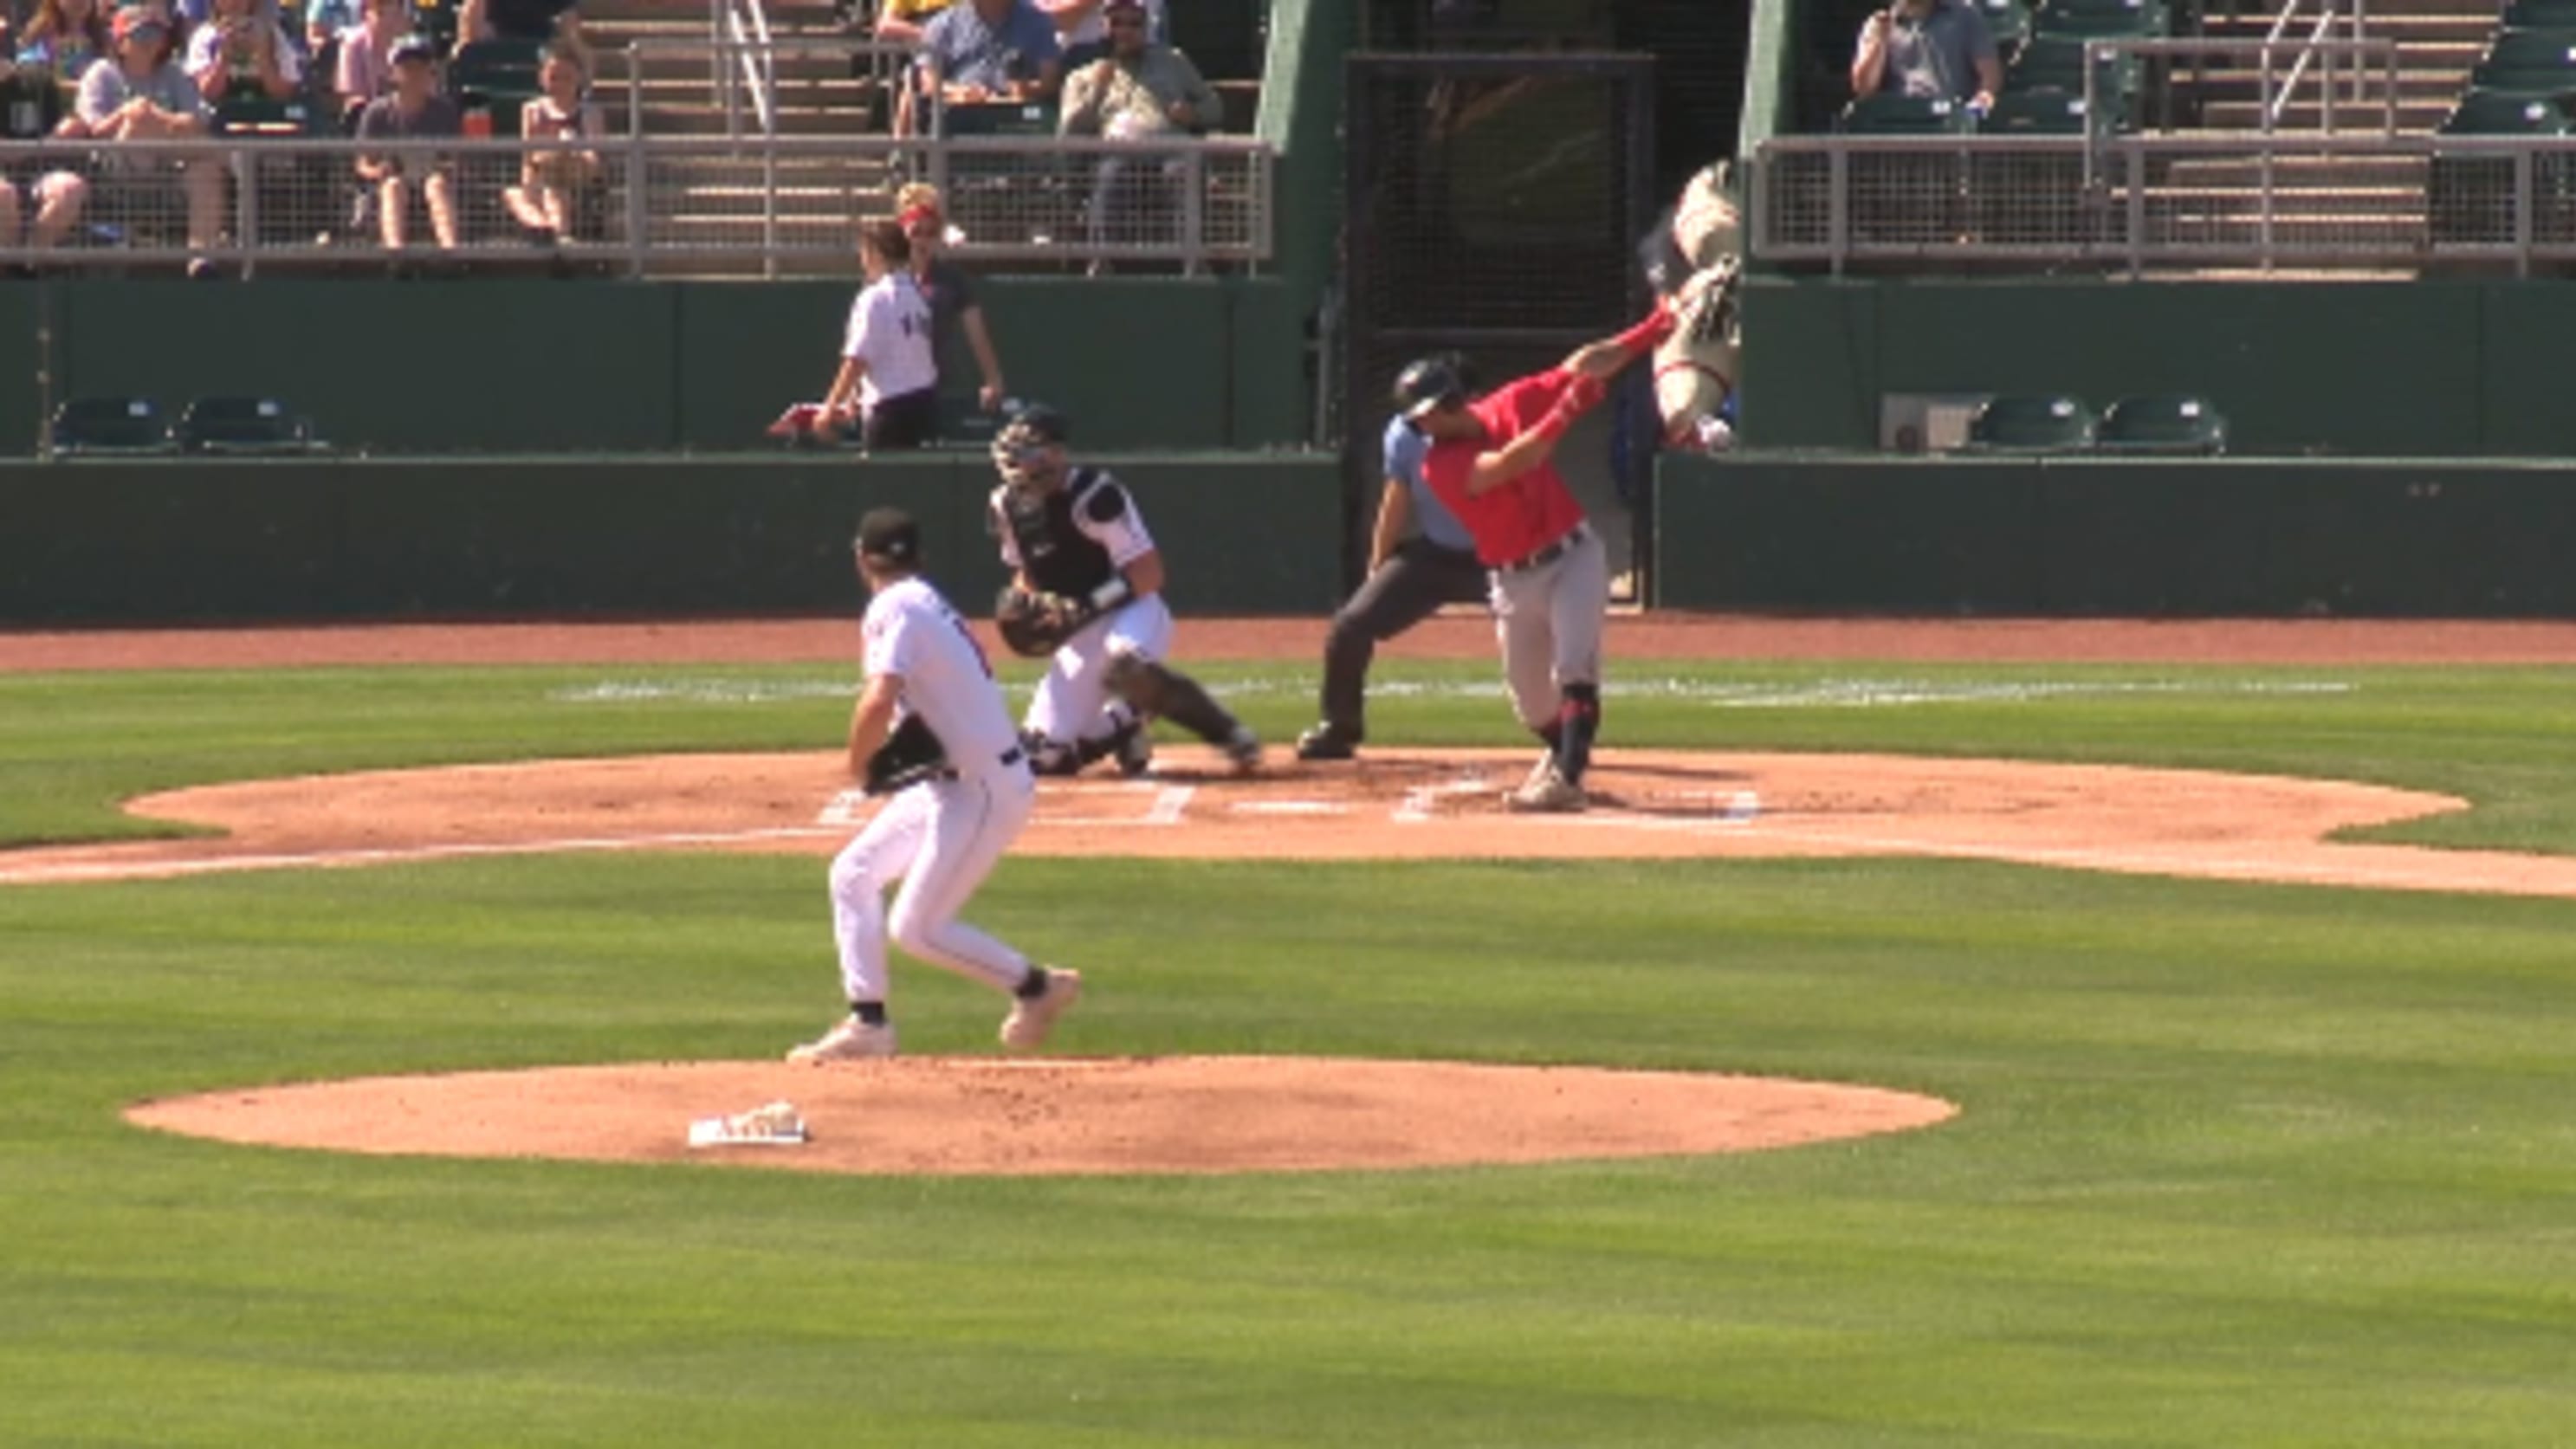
[[2413, 115]]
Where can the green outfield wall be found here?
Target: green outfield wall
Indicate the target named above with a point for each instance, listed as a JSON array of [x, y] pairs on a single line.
[[521, 366], [2086, 536], [2407, 369], [245, 540]]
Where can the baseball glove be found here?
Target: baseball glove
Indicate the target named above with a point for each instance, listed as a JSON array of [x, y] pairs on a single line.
[[1035, 624], [910, 755]]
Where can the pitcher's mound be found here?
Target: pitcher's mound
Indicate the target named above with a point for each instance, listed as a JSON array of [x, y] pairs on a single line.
[[962, 1115]]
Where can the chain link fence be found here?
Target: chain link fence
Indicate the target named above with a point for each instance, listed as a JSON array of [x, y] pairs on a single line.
[[630, 205], [2292, 200]]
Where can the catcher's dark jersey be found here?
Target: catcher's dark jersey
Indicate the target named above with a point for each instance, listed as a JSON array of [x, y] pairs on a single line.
[[1072, 539]]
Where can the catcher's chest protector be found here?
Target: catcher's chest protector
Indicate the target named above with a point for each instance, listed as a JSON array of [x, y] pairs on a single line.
[[1057, 555]]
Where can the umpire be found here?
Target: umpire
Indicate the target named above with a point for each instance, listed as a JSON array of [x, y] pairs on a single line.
[[1420, 558]]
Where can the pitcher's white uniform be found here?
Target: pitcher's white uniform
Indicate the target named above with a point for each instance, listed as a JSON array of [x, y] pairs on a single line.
[[1089, 535], [941, 837]]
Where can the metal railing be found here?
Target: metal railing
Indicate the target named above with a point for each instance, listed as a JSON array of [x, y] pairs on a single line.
[[650, 205], [744, 24], [2198, 200], [2273, 88], [2313, 47], [744, 72]]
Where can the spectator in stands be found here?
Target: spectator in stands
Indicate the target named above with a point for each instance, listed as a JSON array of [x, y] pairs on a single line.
[[543, 21], [888, 380], [1082, 28], [141, 99], [413, 110], [902, 22], [1936, 48], [237, 55], [56, 192], [955, 314], [365, 68], [553, 179], [977, 52], [1140, 91], [65, 37]]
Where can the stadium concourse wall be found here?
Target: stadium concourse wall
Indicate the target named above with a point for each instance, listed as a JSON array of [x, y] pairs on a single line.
[[2076, 535], [265, 539]]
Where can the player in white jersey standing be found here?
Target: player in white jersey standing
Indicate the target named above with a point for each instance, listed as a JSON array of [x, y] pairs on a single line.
[[889, 375], [942, 835]]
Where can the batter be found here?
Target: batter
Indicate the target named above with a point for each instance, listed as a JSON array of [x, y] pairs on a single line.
[[1547, 571], [942, 836]]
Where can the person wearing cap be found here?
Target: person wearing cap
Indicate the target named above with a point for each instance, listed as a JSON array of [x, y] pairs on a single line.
[[1073, 532], [1140, 91], [888, 381], [940, 835], [238, 53], [412, 111], [1492, 463], [1081, 27], [141, 99], [955, 313], [1420, 559]]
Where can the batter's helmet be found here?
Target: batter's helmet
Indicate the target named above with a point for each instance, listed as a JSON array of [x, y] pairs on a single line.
[[1429, 384]]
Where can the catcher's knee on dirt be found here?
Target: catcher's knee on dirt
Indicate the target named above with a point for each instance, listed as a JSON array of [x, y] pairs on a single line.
[[1167, 694]]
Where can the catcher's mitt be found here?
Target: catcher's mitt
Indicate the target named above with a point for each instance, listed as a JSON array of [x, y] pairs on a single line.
[[910, 755], [1033, 624]]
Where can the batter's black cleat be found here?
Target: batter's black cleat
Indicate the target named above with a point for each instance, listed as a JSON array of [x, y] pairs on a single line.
[[1328, 742]]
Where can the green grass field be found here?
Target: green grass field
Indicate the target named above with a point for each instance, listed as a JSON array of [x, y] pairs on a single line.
[[2237, 1165]]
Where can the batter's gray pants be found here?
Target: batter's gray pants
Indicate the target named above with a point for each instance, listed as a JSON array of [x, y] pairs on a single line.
[[1549, 620]]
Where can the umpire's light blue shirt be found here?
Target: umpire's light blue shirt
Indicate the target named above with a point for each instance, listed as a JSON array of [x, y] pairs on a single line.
[[1405, 450]]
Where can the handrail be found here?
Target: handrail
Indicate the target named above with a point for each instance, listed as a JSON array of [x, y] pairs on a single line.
[[2382, 51], [2314, 46], [754, 55]]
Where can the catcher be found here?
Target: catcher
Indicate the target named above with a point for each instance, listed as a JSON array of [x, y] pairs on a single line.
[[1086, 590]]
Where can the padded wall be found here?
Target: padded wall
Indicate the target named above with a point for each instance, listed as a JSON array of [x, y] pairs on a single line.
[[165, 541], [2128, 537]]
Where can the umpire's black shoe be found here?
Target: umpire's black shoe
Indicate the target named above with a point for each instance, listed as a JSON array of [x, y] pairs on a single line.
[[1328, 742]]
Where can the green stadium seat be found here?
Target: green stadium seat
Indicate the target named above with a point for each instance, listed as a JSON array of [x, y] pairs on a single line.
[[2048, 112], [1000, 118], [2008, 21], [2540, 15], [2504, 113], [2100, 19], [110, 427], [2528, 62], [1891, 114], [2056, 62], [255, 425], [2031, 423], [2175, 423]]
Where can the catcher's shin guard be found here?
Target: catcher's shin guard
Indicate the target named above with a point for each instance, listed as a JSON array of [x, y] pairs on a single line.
[[1157, 692], [1578, 722]]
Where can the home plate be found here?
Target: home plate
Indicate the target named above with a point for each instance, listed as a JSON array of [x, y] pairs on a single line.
[[1290, 807]]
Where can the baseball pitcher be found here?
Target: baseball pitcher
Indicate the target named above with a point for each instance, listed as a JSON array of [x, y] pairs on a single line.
[[932, 732]]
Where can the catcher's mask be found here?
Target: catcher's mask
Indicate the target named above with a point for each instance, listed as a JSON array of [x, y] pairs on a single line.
[[1023, 449], [1429, 385]]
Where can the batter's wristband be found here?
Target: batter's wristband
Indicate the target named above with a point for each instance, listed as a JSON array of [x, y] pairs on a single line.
[[1646, 335]]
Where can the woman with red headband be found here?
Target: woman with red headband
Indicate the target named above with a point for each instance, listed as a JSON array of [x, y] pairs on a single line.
[[954, 312]]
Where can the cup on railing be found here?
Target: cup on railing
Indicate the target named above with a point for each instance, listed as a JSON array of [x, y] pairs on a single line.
[[478, 122]]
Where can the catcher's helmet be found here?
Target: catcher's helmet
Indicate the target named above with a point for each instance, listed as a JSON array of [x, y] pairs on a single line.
[[1019, 449], [1429, 384]]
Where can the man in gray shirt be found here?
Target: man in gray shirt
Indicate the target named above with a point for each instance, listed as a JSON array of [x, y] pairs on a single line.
[[138, 96], [1935, 48]]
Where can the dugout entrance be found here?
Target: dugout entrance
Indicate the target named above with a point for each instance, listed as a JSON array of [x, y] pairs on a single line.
[[1492, 206]]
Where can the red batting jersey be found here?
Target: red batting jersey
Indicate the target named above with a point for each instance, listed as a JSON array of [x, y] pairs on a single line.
[[1530, 512]]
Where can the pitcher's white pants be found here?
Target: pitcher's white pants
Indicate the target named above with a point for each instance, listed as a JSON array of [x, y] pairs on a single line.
[[940, 838]]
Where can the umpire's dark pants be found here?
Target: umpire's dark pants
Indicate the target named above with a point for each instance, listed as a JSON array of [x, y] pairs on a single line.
[[1403, 591]]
